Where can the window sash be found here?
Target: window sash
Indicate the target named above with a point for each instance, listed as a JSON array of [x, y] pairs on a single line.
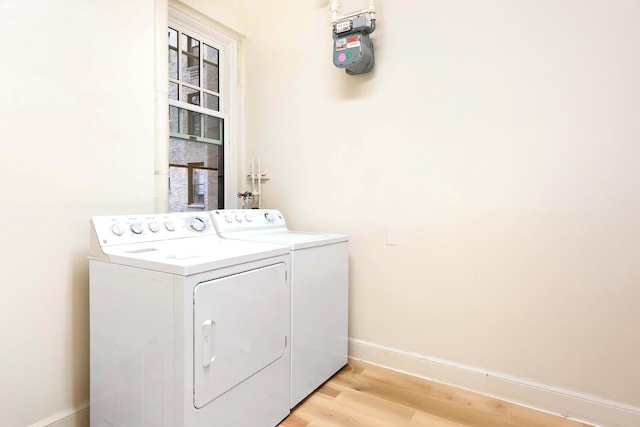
[[229, 103]]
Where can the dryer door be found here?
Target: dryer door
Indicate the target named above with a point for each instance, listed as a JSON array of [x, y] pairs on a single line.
[[240, 326]]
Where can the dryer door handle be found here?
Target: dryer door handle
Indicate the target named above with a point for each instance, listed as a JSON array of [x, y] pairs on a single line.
[[208, 342]]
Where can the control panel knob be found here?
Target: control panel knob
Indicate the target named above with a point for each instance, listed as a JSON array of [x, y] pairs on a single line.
[[228, 218], [198, 224], [270, 218], [117, 229], [238, 218], [136, 228], [248, 218], [169, 226], [154, 227]]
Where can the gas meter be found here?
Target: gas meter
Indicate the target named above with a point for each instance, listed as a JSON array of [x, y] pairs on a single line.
[[352, 48]]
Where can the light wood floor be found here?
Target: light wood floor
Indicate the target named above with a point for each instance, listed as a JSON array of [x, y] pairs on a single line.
[[365, 395]]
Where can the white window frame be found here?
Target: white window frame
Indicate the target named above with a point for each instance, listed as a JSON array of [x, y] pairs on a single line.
[[228, 72]]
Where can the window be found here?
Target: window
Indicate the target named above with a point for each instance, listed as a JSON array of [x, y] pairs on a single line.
[[200, 97]]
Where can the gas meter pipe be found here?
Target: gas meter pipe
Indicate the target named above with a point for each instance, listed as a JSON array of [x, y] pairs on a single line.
[[335, 7]]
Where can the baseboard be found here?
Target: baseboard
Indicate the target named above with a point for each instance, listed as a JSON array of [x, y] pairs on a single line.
[[73, 417], [546, 398]]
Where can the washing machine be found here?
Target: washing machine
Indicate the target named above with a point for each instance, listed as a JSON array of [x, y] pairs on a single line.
[[319, 291], [187, 329]]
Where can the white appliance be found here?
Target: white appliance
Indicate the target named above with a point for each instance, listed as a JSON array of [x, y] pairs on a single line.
[[187, 329], [319, 292]]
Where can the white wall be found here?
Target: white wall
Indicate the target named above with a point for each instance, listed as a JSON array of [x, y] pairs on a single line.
[[496, 143], [77, 128]]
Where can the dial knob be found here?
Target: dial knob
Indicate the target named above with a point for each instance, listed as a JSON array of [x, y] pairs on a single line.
[[169, 226], [248, 218], [117, 229], [239, 218], [154, 227], [228, 218], [270, 218], [198, 224], [136, 228]]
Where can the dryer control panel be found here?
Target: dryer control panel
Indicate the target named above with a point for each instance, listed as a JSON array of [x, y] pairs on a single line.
[[226, 220], [126, 229]]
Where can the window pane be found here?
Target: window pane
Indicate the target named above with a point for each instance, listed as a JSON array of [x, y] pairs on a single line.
[[187, 153], [211, 73], [173, 38], [190, 60], [195, 176], [174, 120], [173, 91], [192, 123], [191, 96], [185, 124], [173, 64], [211, 101], [210, 54], [190, 45], [173, 54], [212, 128]]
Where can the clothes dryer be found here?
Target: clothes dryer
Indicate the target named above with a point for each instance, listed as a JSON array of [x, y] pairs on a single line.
[[187, 329], [319, 292]]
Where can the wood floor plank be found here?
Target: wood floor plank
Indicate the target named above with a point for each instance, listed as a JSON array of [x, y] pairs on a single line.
[[365, 395], [528, 417], [397, 415], [422, 419], [294, 420], [329, 390], [327, 410], [446, 394], [455, 407]]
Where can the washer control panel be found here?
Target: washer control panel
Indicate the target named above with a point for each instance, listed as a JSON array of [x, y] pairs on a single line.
[[226, 220], [124, 229]]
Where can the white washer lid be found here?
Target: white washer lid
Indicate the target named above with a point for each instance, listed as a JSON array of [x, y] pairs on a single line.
[[192, 255], [293, 239]]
